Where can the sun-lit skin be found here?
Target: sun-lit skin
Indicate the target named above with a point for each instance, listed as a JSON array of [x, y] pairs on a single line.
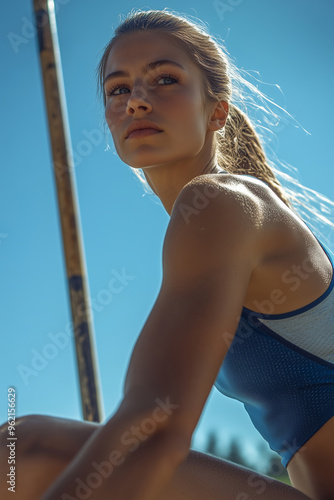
[[170, 97], [184, 150], [249, 262]]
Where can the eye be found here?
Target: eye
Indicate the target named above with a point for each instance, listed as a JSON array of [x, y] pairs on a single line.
[[167, 77], [112, 91], [171, 80]]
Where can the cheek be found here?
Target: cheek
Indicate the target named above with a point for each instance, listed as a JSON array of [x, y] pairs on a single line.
[[187, 110], [115, 112]]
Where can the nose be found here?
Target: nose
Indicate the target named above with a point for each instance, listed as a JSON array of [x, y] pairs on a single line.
[[138, 100]]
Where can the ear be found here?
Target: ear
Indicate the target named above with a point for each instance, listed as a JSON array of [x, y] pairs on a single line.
[[218, 116]]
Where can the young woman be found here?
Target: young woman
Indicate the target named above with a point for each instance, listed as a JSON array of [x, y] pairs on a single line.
[[246, 301]]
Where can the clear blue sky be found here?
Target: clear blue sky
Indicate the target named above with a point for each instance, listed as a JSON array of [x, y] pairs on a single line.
[[289, 42]]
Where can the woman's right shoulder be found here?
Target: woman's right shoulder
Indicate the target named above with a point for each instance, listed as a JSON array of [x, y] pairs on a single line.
[[279, 229], [234, 199], [221, 196], [271, 211], [220, 214], [283, 241]]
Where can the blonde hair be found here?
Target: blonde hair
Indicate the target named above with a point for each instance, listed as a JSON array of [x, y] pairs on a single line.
[[239, 149]]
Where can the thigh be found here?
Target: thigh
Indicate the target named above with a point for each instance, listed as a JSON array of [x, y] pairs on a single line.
[[203, 477], [198, 477], [59, 436], [43, 432], [45, 446]]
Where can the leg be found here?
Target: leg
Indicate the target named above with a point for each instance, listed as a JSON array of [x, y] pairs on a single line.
[[44, 447], [199, 477], [203, 477]]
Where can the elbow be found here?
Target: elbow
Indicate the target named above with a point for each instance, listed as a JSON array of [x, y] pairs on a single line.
[[159, 423], [174, 446], [178, 443], [153, 415]]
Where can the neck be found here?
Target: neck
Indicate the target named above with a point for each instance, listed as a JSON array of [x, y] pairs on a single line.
[[168, 180]]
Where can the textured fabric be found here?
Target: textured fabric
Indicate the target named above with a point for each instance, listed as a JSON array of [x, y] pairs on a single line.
[[300, 329], [282, 368]]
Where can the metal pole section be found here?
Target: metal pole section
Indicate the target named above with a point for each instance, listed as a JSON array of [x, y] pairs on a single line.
[[68, 208]]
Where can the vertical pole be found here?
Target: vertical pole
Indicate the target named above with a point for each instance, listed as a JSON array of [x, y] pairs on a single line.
[[68, 208]]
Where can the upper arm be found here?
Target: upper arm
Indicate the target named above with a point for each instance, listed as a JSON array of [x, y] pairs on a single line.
[[207, 262]]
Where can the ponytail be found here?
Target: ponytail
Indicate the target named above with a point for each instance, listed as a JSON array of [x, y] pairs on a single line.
[[240, 151]]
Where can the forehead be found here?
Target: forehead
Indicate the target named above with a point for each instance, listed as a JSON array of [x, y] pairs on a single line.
[[138, 49]]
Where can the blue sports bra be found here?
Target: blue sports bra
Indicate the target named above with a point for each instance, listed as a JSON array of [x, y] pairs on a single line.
[[281, 367]]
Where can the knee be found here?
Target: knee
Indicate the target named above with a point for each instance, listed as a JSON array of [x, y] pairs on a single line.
[[25, 432], [36, 472], [13, 454]]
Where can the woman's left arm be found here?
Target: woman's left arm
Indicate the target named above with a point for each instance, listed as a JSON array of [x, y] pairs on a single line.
[[208, 258]]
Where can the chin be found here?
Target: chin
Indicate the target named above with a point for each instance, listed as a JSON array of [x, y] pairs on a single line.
[[143, 160]]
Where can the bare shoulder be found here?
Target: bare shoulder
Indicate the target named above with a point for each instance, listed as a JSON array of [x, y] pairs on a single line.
[[241, 218], [218, 192], [280, 228], [226, 200], [228, 212], [216, 218]]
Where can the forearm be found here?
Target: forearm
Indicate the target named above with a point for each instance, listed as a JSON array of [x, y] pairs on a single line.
[[110, 467], [145, 473]]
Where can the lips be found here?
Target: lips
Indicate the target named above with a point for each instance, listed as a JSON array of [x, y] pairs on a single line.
[[146, 126], [143, 132]]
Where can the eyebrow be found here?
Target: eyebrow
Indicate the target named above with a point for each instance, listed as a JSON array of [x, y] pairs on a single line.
[[145, 69]]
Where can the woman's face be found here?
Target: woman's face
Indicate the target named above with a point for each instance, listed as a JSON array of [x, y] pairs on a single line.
[[167, 94]]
